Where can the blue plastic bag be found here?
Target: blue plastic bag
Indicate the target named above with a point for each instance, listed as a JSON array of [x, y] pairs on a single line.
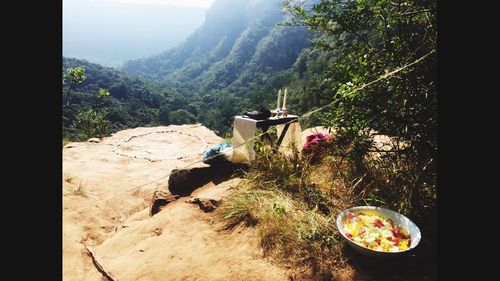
[[214, 155]]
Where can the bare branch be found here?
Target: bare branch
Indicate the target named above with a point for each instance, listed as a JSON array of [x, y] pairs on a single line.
[[415, 12]]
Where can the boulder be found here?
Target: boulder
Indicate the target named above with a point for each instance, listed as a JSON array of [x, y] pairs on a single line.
[[183, 182], [160, 198]]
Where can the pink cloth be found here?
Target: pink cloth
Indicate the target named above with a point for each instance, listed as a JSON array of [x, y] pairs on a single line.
[[316, 145]]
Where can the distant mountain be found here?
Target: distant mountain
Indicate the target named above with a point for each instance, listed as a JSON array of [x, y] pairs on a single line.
[[237, 39], [110, 32], [236, 61]]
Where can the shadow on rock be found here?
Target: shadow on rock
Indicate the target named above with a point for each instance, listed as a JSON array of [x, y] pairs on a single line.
[[183, 182]]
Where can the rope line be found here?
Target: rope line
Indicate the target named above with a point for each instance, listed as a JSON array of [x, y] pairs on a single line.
[[168, 174], [382, 77], [388, 74], [116, 148]]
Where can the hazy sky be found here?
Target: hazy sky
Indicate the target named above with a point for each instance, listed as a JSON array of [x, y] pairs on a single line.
[[112, 31], [183, 3]]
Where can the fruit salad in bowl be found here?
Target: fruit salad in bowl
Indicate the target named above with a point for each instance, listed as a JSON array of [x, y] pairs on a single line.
[[378, 231]]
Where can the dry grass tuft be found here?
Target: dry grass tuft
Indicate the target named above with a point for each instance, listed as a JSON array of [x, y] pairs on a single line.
[[80, 190], [69, 178], [293, 206]]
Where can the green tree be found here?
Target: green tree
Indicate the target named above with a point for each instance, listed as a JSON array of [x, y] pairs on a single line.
[[163, 115], [92, 123], [383, 77], [180, 117], [74, 76]]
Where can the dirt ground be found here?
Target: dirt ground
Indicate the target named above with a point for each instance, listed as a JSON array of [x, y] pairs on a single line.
[[104, 210]]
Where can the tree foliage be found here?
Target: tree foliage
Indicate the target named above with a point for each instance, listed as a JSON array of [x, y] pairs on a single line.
[[369, 39], [92, 123], [180, 117], [84, 121], [124, 100], [380, 78], [75, 76]]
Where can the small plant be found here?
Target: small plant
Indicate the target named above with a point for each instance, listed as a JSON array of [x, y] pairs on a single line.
[[65, 141], [69, 178], [228, 138], [280, 209], [79, 191]]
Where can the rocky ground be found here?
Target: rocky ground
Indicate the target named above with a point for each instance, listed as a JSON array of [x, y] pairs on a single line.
[[107, 192]]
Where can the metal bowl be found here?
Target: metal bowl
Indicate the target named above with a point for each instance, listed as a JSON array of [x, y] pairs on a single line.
[[397, 218]]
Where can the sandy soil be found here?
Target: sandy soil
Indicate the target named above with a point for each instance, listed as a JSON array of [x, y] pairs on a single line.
[[181, 242]]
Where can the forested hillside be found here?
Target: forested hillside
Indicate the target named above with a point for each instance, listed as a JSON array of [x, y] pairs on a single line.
[[236, 61], [131, 102]]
